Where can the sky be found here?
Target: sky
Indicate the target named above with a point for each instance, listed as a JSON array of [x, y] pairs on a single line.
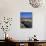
[[26, 14]]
